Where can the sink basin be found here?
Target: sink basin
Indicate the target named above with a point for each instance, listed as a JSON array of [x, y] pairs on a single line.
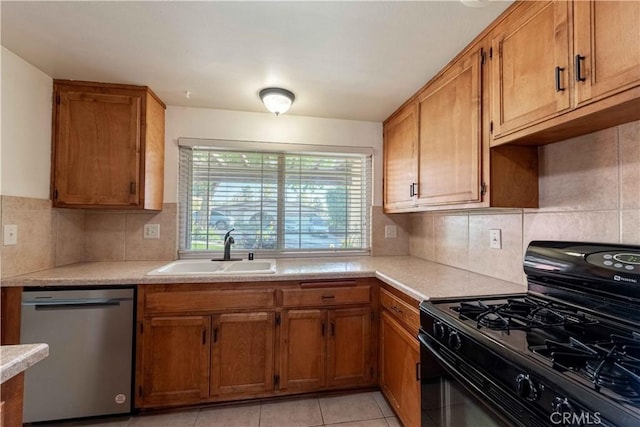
[[205, 267], [251, 266]]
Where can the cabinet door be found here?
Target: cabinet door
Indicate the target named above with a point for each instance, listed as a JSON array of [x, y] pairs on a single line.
[[530, 66], [302, 350], [607, 48], [400, 144], [349, 347], [97, 149], [242, 353], [175, 359], [450, 140], [399, 359]]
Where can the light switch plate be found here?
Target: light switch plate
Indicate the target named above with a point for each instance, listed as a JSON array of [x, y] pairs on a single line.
[[151, 231], [390, 231], [495, 238], [10, 235]]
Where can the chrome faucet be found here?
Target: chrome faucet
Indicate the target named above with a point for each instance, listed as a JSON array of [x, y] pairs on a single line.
[[228, 241]]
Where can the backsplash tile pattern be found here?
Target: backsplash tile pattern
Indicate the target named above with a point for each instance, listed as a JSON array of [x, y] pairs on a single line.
[[589, 190], [580, 173], [629, 136], [50, 237], [37, 233], [502, 263], [69, 237], [164, 248], [381, 246], [104, 236], [451, 233], [117, 236]]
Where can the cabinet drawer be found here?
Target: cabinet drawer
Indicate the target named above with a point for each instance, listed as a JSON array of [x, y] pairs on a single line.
[[186, 301], [326, 296], [409, 316]]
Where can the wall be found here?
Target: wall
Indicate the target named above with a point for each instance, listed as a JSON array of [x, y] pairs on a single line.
[[243, 126], [589, 191], [26, 128]]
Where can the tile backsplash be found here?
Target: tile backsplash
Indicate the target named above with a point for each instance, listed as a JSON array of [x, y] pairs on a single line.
[[50, 237], [589, 191]]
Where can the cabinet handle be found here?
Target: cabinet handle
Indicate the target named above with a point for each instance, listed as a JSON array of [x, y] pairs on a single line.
[[204, 336], [578, 70], [322, 328], [396, 309], [559, 70], [333, 329], [328, 297], [412, 189], [418, 371], [132, 187], [215, 335]]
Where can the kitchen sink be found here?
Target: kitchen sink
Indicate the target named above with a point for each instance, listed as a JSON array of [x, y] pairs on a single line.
[[201, 267]]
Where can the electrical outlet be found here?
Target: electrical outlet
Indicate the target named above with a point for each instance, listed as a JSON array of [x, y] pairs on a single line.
[[151, 231], [10, 235], [390, 232], [495, 238]]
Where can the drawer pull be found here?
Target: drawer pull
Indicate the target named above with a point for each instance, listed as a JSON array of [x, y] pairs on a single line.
[[328, 297], [396, 309]]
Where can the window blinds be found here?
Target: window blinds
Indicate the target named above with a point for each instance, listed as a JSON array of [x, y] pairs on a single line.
[[275, 201]]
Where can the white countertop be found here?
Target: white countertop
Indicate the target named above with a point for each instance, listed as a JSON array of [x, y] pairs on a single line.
[[420, 279], [15, 359]]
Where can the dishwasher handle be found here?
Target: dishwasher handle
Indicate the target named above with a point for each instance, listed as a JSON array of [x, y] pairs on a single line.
[[72, 304]]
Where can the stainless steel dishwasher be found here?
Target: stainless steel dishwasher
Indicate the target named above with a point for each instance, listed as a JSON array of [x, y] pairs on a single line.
[[89, 368]]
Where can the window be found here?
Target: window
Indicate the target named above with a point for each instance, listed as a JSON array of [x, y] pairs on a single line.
[[275, 201]]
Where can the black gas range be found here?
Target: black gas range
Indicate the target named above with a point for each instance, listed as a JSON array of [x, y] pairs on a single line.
[[565, 353]]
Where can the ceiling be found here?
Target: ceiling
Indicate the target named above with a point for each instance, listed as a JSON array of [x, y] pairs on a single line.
[[348, 60]]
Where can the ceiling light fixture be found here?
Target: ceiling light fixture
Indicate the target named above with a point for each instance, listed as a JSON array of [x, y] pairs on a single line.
[[277, 100]]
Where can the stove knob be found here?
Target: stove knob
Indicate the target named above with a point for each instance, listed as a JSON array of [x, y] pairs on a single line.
[[438, 329], [454, 341], [526, 388], [562, 406]]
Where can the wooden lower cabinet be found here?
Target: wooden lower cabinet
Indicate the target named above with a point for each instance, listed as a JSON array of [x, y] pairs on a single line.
[[303, 350], [399, 363], [176, 355], [325, 348], [192, 348], [349, 347], [242, 353]]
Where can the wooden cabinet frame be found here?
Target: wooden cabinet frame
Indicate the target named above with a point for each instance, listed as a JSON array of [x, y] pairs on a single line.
[[252, 340], [107, 146]]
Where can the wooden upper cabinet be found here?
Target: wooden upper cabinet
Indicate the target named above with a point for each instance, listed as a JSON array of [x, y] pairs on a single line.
[[605, 62], [400, 159], [108, 146], [450, 139], [531, 66]]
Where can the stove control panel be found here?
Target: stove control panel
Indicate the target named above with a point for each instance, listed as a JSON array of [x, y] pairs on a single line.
[[621, 261]]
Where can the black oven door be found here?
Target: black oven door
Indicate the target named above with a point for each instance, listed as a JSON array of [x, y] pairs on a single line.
[[454, 394]]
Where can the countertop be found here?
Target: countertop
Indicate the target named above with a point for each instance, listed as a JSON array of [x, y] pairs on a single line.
[[15, 359], [420, 279]]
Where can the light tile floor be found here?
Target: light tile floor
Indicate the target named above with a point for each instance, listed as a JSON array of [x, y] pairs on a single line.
[[369, 409]]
